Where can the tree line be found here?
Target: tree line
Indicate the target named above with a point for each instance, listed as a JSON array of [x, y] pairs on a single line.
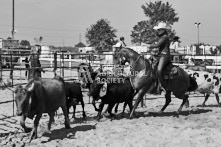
[[103, 36]]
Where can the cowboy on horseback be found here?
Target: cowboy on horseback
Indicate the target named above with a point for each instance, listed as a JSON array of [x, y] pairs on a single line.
[[163, 49]]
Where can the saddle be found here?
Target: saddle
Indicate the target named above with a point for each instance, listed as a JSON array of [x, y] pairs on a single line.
[[169, 72]]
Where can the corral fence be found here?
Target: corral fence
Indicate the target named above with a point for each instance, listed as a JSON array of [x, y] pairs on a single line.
[[12, 66]]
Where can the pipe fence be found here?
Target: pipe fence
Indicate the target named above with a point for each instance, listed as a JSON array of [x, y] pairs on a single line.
[[12, 66]]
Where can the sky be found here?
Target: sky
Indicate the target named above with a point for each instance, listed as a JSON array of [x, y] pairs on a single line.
[[64, 22]]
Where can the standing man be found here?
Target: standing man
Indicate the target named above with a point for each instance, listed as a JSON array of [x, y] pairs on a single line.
[[26, 66], [35, 65]]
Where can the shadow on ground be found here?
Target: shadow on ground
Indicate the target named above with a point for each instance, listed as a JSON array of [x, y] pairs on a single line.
[[67, 133], [156, 114]]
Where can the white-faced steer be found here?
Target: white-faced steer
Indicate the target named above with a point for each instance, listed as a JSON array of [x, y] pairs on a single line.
[[37, 97], [208, 83]]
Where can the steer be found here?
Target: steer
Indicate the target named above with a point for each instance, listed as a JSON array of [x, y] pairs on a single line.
[[37, 97], [115, 93], [74, 96], [208, 83]]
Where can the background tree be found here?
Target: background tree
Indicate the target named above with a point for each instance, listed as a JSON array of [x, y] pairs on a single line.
[[25, 43], [101, 35], [155, 12]]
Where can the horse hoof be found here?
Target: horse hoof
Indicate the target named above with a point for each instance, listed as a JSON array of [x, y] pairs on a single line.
[[160, 112], [177, 112], [67, 126], [27, 130]]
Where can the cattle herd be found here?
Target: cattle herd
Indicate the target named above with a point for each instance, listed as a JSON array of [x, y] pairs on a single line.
[[46, 95]]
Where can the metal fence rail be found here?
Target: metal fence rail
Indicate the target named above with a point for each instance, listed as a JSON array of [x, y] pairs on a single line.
[[64, 64]]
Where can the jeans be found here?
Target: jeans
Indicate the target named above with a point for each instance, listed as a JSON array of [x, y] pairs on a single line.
[[163, 62]]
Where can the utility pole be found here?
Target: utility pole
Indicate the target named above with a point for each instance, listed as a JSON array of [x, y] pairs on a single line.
[[13, 19], [80, 38]]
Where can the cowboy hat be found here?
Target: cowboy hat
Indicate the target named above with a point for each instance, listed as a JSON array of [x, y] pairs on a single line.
[[161, 25]]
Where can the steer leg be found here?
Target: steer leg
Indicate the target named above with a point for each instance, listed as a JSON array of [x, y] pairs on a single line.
[[101, 106], [66, 122], [34, 131], [217, 99], [82, 104], [74, 110], [116, 108], [206, 98], [168, 100], [93, 103], [124, 107], [110, 107], [51, 120], [22, 123]]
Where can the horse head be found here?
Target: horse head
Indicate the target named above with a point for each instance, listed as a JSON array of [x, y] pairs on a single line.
[[122, 56]]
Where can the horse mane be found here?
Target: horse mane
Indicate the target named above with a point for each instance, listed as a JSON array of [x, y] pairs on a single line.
[[133, 51]]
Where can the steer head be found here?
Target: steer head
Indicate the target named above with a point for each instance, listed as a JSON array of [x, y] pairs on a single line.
[[22, 98], [95, 89]]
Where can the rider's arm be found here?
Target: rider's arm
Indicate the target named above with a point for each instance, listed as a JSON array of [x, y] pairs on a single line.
[[159, 43], [151, 41]]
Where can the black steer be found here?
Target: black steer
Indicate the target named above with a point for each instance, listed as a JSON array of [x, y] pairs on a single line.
[[74, 96], [40, 96], [116, 93]]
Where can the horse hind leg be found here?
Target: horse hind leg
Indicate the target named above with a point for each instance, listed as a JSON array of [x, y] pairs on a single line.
[[217, 99], [185, 99], [187, 104], [167, 102]]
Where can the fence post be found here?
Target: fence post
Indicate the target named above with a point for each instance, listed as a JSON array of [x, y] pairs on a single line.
[[62, 57], [69, 62], [0, 64], [11, 72], [55, 61]]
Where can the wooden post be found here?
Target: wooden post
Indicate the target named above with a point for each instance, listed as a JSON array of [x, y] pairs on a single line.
[[69, 62], [55, 61]]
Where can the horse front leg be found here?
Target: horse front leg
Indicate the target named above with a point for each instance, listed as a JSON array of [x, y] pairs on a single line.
[[140, 95], [167, 102]]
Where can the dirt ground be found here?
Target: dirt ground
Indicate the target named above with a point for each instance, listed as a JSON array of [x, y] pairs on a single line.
[[195, 126]]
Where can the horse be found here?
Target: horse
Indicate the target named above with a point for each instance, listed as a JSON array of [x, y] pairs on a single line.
[[143, 78]]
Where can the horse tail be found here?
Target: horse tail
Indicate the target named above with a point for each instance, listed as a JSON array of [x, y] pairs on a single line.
[[193, 84]]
